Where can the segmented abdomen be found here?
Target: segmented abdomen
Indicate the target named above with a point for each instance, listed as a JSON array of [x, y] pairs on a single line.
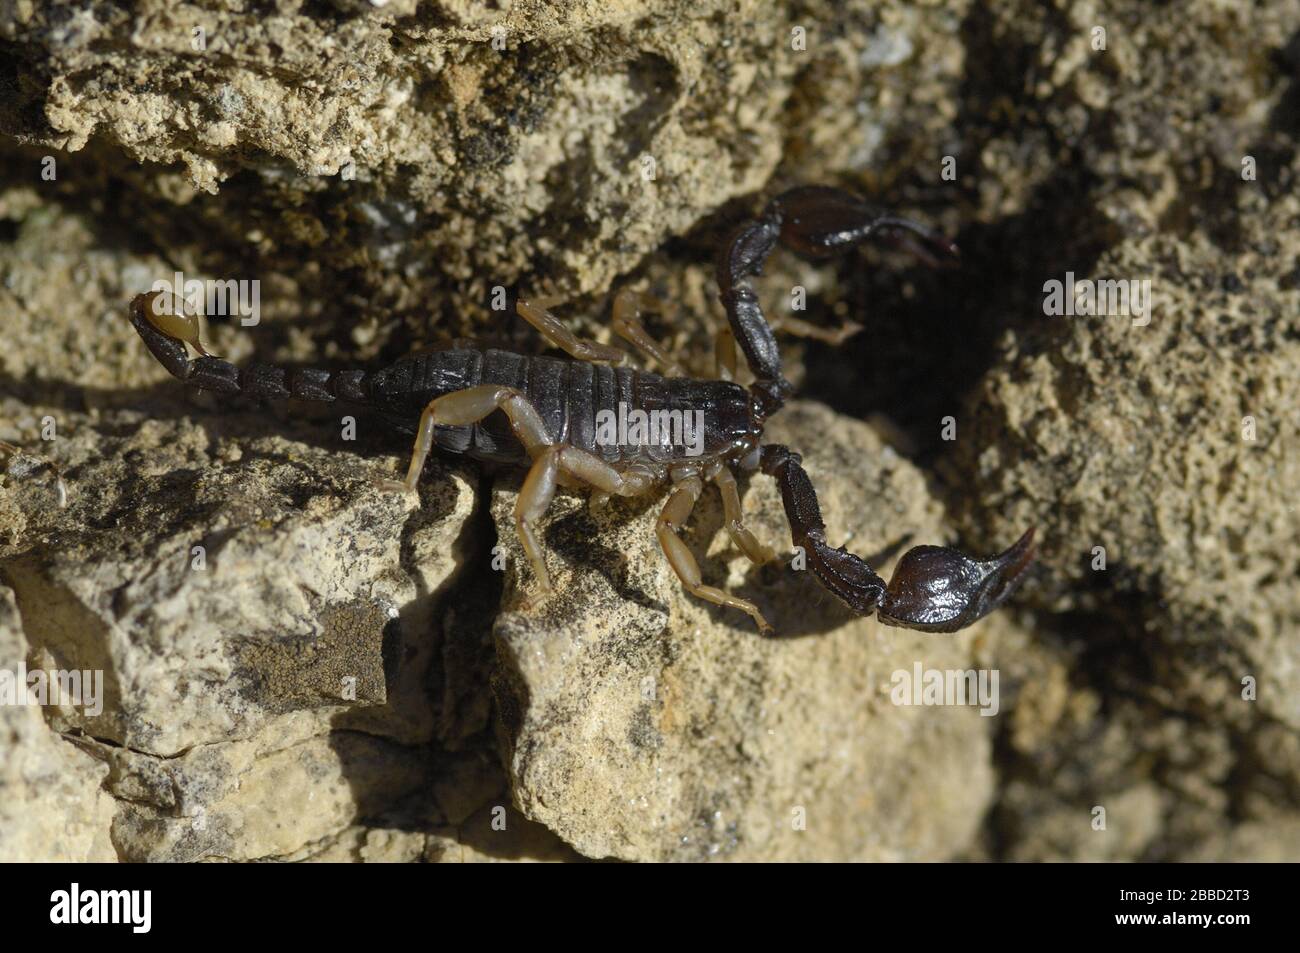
[[574, 398]]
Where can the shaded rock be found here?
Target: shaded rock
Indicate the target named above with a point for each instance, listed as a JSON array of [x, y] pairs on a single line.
[[382, 172], [408, 160], [1154, 454], [52, 803], [1155, 457], [260, 615]]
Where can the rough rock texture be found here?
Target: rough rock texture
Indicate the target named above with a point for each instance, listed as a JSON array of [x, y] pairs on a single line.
[[715, 743], [408, 159], [350, 677]]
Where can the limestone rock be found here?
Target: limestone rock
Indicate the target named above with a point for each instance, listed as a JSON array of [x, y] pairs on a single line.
[[260, 615], [643, 724], [53, 806], [388, 174]]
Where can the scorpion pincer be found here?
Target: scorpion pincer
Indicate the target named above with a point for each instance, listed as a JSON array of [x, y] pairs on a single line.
[[541, 413]]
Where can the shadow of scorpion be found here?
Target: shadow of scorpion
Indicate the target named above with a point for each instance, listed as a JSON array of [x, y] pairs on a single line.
[[554, 415]]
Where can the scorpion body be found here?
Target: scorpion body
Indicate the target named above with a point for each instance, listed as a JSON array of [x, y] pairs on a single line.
[[570, 397], [548, 413]]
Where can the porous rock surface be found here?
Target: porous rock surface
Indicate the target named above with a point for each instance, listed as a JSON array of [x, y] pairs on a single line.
[[716, 743], [338, 674]]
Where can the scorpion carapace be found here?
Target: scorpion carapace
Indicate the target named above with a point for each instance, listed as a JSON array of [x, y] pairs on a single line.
[[558, 417]]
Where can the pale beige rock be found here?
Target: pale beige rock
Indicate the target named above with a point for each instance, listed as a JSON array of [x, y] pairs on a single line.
[[1274, 841], [52, 803], [643, 724], [261, 693], [1119, 826], [380, 171], [411, 161]]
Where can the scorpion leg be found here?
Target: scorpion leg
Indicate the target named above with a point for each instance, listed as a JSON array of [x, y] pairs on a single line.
[[800, 328], [557, 335], [469, 406], [550, 460], [534, 499], [758, 552], [724, 341], [686, 490], [934, 588], [539, 489], [628, 306]]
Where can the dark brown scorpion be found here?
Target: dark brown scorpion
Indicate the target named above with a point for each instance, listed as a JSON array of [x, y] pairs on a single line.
[[552, 414]]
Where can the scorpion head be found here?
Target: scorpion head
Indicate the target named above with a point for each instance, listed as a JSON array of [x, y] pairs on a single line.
[[936, 589]]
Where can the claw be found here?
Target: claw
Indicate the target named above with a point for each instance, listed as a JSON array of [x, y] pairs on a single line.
[[936, 589], [817, 221]]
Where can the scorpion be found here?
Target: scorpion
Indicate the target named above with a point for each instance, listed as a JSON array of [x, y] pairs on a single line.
[[540, 412]]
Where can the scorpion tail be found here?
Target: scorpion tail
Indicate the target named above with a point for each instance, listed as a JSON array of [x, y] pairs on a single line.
[[933, 589], [166, 328]]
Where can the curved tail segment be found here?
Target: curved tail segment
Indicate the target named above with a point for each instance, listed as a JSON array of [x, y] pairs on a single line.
[[166, 328], [933, 589], [816, 222]]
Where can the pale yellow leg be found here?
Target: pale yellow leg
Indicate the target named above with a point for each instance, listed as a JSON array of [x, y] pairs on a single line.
[[595, 472], [799, 328], [671, 519], [534, 498], [745, 541], [628, 307], [539, 489], [469, 406], [550, 460], [724, 354], [557, 335]]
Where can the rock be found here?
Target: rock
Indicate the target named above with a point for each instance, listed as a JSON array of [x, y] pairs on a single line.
[[234, 580], [405, 161], [390, 175], [1186, 414], [1276, 841], [1123, 824], [52, 803], [643, 724], [260, 616], [1152, 455]]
